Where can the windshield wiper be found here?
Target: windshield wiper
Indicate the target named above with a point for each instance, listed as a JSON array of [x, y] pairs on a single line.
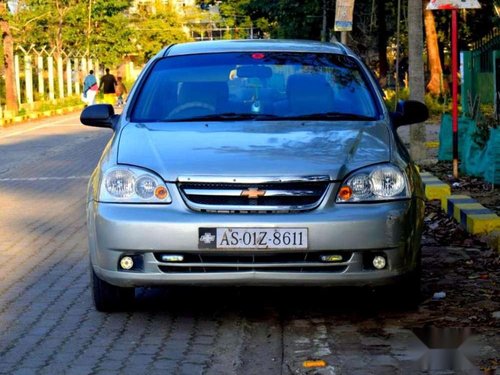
[[228, 116], [330, 116], [234, 116]]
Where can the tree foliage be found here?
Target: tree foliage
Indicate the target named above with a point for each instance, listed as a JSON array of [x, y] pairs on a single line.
[[155, 29], [102, 28]]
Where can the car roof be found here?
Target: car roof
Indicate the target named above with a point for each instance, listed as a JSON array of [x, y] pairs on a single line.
[[261, 45]]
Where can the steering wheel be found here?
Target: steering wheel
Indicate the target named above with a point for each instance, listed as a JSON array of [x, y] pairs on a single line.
[[192, 109]]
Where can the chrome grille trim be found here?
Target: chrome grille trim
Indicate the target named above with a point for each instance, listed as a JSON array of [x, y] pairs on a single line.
[[240, 262], [237, 193], [252, 265], [252, 180], [230, 194]]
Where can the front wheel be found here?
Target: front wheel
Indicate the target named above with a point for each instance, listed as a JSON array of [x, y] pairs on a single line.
[[108, 297]]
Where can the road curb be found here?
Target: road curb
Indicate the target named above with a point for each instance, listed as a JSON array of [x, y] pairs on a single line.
[[35, 115], [469, 213], [434, 187]]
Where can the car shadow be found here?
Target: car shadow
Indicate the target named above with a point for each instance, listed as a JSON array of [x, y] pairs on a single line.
[[354, 303]]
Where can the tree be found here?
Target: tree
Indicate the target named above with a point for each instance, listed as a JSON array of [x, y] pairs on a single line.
[[435, 85], [416, 74], [47, 20], [8, 59], [156, 28], [98, 27], [288, 19]]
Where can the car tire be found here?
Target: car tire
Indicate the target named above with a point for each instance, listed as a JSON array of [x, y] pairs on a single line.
[[109, 297], [406, 293]]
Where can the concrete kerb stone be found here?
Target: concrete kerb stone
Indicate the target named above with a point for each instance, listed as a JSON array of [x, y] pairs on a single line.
[[434, 188], [470, 214]]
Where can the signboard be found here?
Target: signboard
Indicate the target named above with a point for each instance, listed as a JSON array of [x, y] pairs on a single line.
[[343, 15], [453, 4]]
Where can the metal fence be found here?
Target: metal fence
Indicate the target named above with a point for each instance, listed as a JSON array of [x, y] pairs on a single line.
[[41, 75], [478, 71]]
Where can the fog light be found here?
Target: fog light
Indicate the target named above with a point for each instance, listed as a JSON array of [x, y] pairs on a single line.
[[126, 263], [379, 262]]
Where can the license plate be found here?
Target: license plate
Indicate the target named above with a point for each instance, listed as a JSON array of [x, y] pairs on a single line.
[[252, 238]]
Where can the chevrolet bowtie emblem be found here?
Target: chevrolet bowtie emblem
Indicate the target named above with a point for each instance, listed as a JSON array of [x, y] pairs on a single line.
[[253, 193]]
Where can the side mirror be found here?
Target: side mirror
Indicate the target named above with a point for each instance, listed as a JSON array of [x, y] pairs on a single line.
[[409, 112], [99, 115]]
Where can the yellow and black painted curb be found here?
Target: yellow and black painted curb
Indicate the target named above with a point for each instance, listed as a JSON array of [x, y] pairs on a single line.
[[434, 187], [470, 214]]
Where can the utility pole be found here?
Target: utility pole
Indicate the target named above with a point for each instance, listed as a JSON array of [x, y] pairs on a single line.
[[343, 37]]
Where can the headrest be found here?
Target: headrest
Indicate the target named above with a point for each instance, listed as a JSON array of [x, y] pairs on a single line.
[[205, 92], [309, 93]]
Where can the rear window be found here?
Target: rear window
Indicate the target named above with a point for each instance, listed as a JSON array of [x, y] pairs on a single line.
[[266, 85]]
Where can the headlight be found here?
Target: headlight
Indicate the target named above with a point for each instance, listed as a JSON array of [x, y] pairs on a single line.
[[381, 182], [132, 185]]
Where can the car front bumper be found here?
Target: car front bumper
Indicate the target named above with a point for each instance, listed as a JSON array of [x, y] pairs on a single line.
[[355, 231]]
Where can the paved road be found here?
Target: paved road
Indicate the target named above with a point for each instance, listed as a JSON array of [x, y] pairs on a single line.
[[49, 326]]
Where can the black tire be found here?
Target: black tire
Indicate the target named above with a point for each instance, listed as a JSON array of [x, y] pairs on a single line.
[[108, 297], [406, 293]]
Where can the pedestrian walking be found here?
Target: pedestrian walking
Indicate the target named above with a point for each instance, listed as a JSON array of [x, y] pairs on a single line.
[[107, 85], [90, 88], [121, 90]]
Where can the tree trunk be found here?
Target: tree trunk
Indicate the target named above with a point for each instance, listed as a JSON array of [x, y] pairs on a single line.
[[436, 84], [416, 75], [8, 60], [382, 39]]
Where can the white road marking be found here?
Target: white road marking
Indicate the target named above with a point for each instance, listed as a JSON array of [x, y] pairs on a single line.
[[45, 178]]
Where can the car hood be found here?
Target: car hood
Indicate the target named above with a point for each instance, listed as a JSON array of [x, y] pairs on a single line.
[[254, 149]]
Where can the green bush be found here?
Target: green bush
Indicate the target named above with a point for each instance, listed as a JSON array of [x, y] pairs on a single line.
[[48, 105]]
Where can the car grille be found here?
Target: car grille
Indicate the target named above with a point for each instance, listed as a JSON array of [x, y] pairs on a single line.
[[265, 262], [293, 195]]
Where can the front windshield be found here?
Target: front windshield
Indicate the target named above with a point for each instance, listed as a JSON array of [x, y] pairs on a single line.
[[254, 85]]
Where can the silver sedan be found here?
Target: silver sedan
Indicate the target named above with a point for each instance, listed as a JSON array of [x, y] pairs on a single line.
[[253, 163]]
